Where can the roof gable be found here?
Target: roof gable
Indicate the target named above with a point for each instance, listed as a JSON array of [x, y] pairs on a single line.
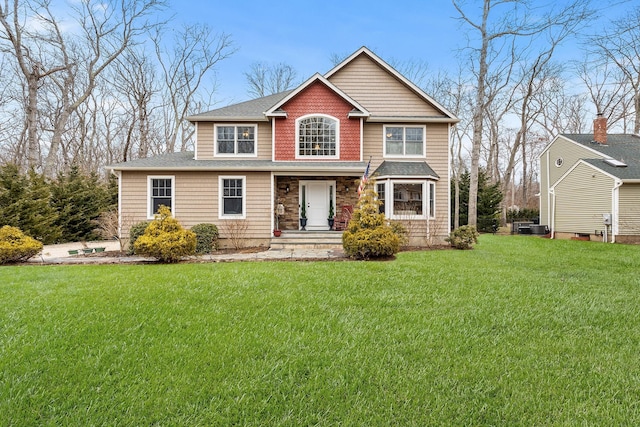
[[348, 76], [275, 110], [623, 148]]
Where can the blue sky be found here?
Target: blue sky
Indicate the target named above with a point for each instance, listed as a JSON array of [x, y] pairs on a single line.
[[304, 34]]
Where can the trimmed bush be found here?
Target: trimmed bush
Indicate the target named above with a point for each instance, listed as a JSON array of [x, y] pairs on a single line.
[[206, 238], [463, 237], [371, 243], [16, 246], [165, 239], [367, 235], [136, 231]]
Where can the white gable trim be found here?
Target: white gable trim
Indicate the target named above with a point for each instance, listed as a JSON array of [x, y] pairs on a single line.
[[393, 72], [617, 181], [272, 112], [598, 154]]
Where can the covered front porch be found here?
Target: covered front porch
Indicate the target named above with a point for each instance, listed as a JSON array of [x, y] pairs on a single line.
[[313, 197]]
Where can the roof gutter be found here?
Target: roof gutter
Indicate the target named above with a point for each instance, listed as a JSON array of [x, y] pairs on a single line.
[[413, 119]]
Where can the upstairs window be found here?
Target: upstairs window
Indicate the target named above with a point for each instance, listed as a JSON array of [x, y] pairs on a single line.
[[317, 136], [235, 140], [404, 141]]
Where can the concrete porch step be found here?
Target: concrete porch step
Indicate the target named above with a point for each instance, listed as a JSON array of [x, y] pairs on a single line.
[[307, 240]]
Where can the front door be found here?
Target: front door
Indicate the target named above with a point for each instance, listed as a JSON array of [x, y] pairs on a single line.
[[316, 196]]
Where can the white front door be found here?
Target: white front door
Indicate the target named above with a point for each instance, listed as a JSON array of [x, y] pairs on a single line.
[[316, 197]]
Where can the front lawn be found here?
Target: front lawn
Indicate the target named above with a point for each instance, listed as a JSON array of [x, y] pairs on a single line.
[[519, 331]]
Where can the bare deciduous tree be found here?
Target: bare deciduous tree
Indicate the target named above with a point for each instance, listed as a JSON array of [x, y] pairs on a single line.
[[195, 50], [620, 45], [31, 48], [501, 29], [264, 79]]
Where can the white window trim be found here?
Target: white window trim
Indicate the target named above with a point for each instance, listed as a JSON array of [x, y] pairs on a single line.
[[384, 200], [235, 143], [431, 184], [297, 141], [390, 207], [221, 214], [150, 213], [404, 141]]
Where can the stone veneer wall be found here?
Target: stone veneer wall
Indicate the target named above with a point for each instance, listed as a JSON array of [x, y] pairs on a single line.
[[291, 219]]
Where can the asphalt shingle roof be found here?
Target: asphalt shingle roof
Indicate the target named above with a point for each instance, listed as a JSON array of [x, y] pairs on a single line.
[[622, 147], [186, 161], [391, 168], [248, 110]]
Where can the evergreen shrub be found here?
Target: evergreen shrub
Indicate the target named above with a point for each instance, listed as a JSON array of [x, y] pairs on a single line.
[[136, 231], [206, 238], [463, 237], [367, 235], [16, 246], [165, 239]]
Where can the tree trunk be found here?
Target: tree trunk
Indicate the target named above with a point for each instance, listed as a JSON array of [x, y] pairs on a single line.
[[33, 151]]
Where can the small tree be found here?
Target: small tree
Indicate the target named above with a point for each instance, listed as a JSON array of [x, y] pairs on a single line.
[[165, 239], [368, 235]]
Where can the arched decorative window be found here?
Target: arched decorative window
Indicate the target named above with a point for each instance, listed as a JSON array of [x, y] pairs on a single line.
[[317, 136]]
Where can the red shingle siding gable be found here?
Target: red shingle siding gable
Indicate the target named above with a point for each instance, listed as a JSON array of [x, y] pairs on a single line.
[[317, 99]]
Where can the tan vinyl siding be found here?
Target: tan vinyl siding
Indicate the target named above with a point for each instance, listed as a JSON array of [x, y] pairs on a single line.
[[264, 141], [196, 200], [390, 97], [437, 157], [629, 205], [205, 138], [205, 141], [582, 198]]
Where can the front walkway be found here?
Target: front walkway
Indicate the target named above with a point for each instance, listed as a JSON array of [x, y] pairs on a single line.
[[59, 254]]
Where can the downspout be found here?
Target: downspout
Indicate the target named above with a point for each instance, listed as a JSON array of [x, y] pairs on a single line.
[[548, 190], [615, 211], [552, 224]]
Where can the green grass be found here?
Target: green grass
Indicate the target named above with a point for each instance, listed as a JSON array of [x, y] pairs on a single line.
[[519, 331]]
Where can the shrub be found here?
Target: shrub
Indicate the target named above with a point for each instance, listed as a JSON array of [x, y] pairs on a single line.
[[16, 246], [165, 239], [136, 231], [401, 231], [464, 237], [371, 243], [367, 235], [206, 238]]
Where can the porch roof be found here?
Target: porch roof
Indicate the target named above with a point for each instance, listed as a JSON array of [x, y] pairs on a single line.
[[405, 170], [185, 161]]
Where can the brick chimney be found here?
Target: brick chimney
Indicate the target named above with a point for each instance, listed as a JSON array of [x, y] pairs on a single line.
[[600, 129]]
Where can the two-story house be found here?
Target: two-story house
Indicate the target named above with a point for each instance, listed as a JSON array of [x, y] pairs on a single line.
[[305, 147]]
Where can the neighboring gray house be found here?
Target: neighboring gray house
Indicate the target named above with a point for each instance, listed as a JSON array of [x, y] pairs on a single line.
[[590, 185]]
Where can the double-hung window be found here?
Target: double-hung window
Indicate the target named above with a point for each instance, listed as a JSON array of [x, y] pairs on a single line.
[[317, 136], [161, 193], [232, 197], [231, 140], [404, 141]]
